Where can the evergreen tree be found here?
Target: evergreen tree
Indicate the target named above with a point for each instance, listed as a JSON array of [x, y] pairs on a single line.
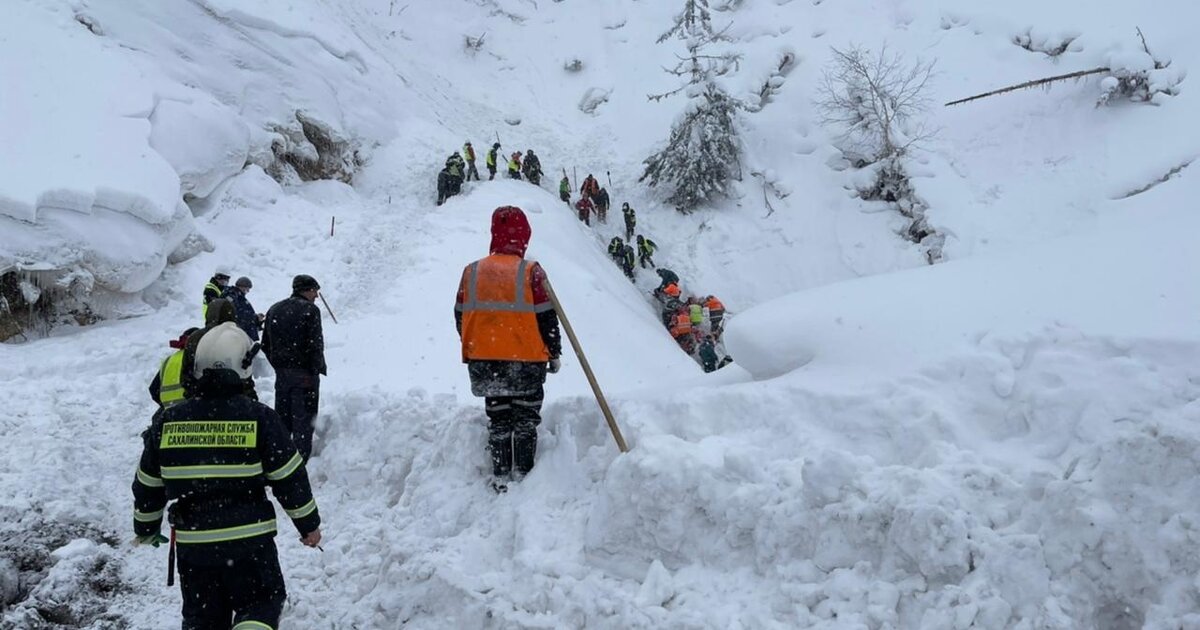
[[702, 153]]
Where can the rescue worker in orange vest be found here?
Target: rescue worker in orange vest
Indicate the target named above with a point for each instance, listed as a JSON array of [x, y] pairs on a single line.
[[469, 155], [510, 340], [681, 329], [590, 187], [716, 314], [669, 296]]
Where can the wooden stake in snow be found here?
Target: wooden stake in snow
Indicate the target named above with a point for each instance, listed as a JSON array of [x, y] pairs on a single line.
[[587, 370], [327, 307], [1029, 84]]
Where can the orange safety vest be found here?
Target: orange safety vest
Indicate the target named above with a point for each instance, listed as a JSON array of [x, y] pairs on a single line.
[[714, 304], [499, 317], [682, 325]]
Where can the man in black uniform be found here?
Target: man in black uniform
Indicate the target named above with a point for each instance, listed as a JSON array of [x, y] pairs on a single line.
[[295, 346], [214, 455]]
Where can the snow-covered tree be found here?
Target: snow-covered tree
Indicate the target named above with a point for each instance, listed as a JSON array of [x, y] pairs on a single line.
[[702, 152]]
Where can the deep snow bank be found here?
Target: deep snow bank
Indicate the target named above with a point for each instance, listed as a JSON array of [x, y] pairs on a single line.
[[80, 185], [892, 323], [146, 104]]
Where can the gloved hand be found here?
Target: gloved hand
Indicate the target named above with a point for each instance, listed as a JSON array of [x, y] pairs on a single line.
[[554, 365], [154, 540]]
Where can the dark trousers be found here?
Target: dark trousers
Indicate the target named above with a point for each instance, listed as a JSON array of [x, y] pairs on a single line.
[[628, 231], [491, 172], [443, 189], [228, 591], [297, 396], [512, 431], [646, 261], [565, 196], [472, 171]]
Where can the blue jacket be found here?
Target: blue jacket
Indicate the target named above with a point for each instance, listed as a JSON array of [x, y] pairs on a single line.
[[244, 313]]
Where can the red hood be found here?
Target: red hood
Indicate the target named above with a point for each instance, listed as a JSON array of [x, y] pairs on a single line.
[[510, 231]]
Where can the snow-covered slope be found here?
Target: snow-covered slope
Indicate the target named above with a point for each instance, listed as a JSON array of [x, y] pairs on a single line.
[[1004, 440]]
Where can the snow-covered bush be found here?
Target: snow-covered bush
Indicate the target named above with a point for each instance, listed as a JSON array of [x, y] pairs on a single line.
[[1139, 78], [593, 98], [877, 101], [1051, 45]]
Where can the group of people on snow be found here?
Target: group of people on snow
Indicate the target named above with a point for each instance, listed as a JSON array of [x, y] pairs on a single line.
[[212, 449], [623, 254], [592, 199], [460, 167], [695, 322]]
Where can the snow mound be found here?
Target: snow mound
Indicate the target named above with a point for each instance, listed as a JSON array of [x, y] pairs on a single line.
[[895, 322]]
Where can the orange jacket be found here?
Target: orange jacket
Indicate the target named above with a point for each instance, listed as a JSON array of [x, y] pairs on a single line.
[[499, 312], [682, 324], [714, 304], [671, 290], [590, 187]]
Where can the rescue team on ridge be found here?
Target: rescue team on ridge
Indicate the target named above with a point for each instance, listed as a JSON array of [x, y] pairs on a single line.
[[460, 167], [212, 449]]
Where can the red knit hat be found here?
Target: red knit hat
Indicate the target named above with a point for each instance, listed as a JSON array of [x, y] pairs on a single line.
[[510, 231]]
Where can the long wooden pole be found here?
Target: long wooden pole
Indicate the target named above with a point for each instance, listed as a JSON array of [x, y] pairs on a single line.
[[587, 370], [327, 307]]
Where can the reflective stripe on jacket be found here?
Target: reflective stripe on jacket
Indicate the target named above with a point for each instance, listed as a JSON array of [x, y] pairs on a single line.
[[211, 291], [499, 316], [681, 325], [170, 382]]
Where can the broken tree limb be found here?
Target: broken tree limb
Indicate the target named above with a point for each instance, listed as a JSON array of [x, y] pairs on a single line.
[[1030, 84]]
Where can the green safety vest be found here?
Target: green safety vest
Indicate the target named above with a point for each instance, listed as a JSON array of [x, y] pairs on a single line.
[[170, 380], [468, 153], [204, 306], [564, 186], [513, 166], [491, 158], [697, 313]]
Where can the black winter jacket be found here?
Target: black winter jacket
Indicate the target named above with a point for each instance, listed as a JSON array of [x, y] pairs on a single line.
[[292, 337], [214, 456], [243, 312]]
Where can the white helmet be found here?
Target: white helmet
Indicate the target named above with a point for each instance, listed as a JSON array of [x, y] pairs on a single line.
[[223, 347]]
